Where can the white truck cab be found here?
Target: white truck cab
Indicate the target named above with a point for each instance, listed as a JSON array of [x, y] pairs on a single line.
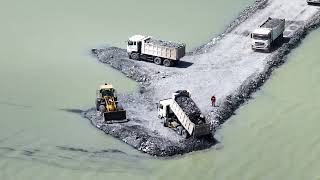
[[164, 108], [266, 34], [261, 38], [135, 42]]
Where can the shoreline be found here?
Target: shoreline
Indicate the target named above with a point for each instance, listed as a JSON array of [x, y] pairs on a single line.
[[145, 132]]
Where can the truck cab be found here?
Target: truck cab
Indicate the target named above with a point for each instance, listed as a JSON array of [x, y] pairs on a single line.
[[261, 38], [164, 108], [265, 35], [135, 43]]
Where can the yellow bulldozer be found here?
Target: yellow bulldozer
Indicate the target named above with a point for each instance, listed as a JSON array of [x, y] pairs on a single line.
[[107, 103]]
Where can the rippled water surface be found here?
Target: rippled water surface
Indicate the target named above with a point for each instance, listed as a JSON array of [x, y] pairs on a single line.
[[45, 67]]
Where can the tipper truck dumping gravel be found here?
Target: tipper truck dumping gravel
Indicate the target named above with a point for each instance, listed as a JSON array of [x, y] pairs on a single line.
[[158, 51], [264, 36], [183, 115]]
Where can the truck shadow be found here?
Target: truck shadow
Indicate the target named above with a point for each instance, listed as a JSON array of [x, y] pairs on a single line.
[[184, 64], [276, 45], [314, 4], [279, 42]]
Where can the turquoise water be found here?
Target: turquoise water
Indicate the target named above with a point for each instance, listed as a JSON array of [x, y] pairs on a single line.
[[46, 66]]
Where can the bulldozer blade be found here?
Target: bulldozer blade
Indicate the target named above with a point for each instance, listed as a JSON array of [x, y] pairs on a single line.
[[115, 117]]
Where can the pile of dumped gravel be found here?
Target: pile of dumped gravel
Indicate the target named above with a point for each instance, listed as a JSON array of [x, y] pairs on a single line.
[[165, 43]]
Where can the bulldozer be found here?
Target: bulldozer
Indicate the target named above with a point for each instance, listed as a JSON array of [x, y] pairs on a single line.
[[108, 105]]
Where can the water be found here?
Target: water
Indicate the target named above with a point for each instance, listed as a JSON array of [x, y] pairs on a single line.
[[45, 67]]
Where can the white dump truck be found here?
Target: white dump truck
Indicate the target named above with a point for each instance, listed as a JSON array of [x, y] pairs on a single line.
[[313, 1], [158, 51], [264, 36], [182, 114]]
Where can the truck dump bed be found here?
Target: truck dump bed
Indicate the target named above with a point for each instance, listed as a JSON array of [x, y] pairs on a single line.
[[272, 23], [189, 115], [164, 49], [277, 27], [189, 107], [168, 44]]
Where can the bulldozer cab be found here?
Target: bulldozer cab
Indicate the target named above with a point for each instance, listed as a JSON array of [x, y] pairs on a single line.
[[106, 90], [111, 109]]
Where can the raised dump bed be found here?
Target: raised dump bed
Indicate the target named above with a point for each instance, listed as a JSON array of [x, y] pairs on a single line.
[[183, 115]]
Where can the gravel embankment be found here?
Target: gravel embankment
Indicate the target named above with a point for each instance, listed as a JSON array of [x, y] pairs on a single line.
[[225, 67]]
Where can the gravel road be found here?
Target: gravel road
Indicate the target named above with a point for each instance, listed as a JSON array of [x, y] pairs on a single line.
[[225, 67]]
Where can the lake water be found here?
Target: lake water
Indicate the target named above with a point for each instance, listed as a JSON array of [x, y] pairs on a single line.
[[45, 67]]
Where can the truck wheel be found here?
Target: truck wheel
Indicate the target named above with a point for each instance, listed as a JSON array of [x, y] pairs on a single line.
[[102, 108], [184, 134], [179, 130], [167, 63], [135, 56], [157, 61], [165, 122]]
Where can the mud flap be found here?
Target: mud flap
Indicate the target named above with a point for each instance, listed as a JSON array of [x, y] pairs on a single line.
[[115, 117]]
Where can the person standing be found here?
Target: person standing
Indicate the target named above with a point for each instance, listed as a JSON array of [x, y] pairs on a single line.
[[213, 101]]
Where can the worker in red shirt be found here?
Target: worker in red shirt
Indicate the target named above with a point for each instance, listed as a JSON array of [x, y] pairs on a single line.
[[213, 101]]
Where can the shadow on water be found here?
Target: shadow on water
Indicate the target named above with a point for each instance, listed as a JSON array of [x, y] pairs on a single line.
[[93, 152], [70, 110], [15, 104], [71, 157], [75, 111]]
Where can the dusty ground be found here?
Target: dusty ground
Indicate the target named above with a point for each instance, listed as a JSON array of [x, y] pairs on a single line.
[[225, 67]]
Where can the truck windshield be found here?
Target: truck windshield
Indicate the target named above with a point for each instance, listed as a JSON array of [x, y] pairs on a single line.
[[130, 43], [260, 36]]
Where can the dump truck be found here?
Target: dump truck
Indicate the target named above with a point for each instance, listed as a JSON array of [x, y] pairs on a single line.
[[263, 37], [108, 105], [160, 52], [183, 115], [313, 2]]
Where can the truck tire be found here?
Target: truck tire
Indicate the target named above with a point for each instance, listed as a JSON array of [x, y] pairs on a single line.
[[157, 60], [179, 130], [102, 108], [135, 56], [167, 63], [165, 122], [184, 134]]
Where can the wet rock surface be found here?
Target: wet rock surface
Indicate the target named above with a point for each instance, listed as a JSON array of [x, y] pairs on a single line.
[[148, 141], [231, 74]]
